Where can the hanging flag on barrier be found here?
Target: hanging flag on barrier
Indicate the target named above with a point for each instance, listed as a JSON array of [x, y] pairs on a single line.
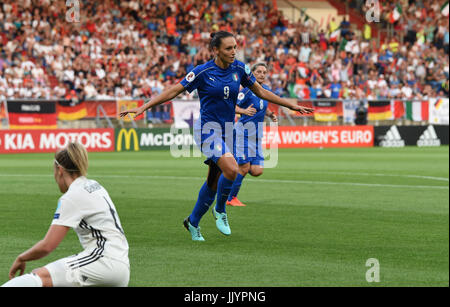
[[325, 111], [380, 110], [438, 111], [398, 108], [123, 105], [93, 107], [417, 110], [3, 113], [32, 114], [68, 111]]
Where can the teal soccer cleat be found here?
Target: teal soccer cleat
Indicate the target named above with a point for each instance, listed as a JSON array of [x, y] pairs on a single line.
[[222, 222], [195, 231]]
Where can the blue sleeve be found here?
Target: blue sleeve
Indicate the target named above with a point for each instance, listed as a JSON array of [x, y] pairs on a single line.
[[267, 88], [248, 79], [242, 97], [192, 80]]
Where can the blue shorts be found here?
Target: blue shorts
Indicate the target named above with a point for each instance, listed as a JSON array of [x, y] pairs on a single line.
[[253, 161], [212, 145], [248, 150]]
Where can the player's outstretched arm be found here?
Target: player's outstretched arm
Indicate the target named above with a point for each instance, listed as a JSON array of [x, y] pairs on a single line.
[[165, 96], [262, 93]]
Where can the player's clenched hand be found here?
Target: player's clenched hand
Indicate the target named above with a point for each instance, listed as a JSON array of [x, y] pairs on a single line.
[[137, 111], [250, 111], [18, 265], [302, 110]]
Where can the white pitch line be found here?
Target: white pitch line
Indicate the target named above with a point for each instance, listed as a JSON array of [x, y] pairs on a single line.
[[311, 172], [252, 180], [381, 175]]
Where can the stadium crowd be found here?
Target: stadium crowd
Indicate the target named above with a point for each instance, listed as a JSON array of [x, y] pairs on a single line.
[[131, 49]]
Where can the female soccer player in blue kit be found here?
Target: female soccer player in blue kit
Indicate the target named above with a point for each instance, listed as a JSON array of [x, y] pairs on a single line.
[[217, 83], [249, 132]]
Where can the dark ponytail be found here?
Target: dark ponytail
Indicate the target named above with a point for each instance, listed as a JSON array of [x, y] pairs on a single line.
[[216, 38]]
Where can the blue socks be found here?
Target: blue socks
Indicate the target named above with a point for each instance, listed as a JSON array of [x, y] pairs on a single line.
[[236, 186], [223, 190], [205, 199]]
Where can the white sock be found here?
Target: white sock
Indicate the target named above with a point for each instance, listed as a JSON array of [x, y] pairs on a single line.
[[27, 280]]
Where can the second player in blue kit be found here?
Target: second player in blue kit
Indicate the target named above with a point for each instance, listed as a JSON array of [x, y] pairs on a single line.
[[217, 83], [248, 134]]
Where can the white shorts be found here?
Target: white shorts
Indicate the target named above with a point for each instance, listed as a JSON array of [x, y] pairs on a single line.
[[104, 272]]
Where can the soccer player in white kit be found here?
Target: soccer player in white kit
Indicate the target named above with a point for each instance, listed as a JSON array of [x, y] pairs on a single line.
[[86, 208]]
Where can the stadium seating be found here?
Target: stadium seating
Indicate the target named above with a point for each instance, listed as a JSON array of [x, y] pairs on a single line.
[[135, 49]]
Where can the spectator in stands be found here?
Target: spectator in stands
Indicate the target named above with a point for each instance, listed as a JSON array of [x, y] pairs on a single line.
[[130, 48]]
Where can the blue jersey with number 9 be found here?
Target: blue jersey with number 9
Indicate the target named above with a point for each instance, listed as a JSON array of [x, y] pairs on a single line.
[[218, 90]]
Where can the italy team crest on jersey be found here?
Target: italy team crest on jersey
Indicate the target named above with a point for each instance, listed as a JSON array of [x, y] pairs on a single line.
[[235, 77]]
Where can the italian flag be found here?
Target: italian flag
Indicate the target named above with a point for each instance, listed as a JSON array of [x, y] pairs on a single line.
[[396, 13], [444, 9], [417, 110], [334, 35]]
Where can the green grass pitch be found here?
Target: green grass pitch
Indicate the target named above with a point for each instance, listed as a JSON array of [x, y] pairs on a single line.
[[314, 220]]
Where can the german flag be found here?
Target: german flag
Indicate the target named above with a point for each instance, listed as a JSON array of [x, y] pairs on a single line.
[[380, 110], [67, 111], [438, 103], [325, 111], [32, 114]]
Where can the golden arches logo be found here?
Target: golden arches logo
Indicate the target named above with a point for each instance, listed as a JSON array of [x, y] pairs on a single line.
[[127, 134]]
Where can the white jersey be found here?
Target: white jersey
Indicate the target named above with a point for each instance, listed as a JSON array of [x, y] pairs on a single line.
[[87, 208]]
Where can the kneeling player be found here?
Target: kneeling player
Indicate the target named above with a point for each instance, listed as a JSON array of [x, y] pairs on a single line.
[[86, 208]]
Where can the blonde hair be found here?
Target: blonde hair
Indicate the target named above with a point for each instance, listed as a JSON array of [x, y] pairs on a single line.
[[73, 158]]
